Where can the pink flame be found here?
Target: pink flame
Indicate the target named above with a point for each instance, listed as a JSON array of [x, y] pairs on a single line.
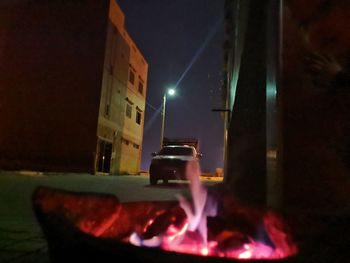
[[192, 236]]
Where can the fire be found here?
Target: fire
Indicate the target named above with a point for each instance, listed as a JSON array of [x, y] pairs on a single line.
[[191, 236], [205, 251], [174, 233], [247, 254], [256, 250]]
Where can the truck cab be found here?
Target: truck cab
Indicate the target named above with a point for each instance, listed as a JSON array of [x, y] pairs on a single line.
[[171, 161]]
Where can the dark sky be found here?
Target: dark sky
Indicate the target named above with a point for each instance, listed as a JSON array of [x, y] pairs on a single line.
[[171, 34]]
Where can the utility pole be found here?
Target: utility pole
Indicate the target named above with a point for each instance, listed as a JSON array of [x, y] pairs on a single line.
[[163, 122]]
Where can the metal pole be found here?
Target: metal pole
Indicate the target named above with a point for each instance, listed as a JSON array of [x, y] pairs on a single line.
[[163, 121], [273, 146]]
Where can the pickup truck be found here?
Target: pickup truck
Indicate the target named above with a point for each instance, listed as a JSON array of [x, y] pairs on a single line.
[[171, 161]]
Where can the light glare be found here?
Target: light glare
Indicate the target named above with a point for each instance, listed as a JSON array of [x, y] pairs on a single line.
[[171, 92]]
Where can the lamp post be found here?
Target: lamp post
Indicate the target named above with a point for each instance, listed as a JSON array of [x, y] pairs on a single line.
[[170, 92]]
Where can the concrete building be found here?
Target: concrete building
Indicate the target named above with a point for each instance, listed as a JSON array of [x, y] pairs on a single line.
[[73, 88], [121, 113]]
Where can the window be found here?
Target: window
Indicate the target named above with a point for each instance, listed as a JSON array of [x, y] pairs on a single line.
[[136, 146], [131, 76], [177, 150], [125, 141], [138, 117], [128, 110], [141, 87]]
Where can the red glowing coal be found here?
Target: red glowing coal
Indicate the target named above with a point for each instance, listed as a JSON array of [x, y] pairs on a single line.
[[211, 224], [207, 226]]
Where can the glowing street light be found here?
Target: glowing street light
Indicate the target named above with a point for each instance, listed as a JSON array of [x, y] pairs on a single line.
[[171, 92]]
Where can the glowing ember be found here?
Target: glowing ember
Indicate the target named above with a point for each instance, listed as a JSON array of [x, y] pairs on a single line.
[[191, 235], [204, 251], [255, 250], [247, 253], [173, 233], [150, 222]]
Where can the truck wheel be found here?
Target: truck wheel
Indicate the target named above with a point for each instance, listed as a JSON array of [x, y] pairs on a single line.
[[153, 180]]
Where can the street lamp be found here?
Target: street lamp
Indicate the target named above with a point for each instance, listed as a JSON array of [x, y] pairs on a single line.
[[171, 92]]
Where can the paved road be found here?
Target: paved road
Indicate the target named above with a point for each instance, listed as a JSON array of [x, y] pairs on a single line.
[[21, 239]]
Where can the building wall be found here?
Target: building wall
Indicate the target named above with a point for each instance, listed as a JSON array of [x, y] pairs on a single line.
[[52, 55], [113, 93], [121, 99], [246, 99], [136, 96]]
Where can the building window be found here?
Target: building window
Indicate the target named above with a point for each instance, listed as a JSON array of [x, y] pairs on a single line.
[[128, 110], [138, 117], [136, 146], [125, 141], [140, 86], [131, 76]]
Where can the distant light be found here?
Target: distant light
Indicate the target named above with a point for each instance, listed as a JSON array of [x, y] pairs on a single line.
[[171, 92]]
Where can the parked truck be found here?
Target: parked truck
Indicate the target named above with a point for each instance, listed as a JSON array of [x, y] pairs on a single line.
[[181, 141], [171, 161]]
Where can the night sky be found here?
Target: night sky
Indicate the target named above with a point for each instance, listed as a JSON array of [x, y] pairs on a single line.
[[182, 41]]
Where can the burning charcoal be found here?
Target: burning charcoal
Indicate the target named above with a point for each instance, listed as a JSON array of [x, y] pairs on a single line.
[[174, 216], [279, 234], [230, 240], [137, 217], [221, 227], [84, 211]]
